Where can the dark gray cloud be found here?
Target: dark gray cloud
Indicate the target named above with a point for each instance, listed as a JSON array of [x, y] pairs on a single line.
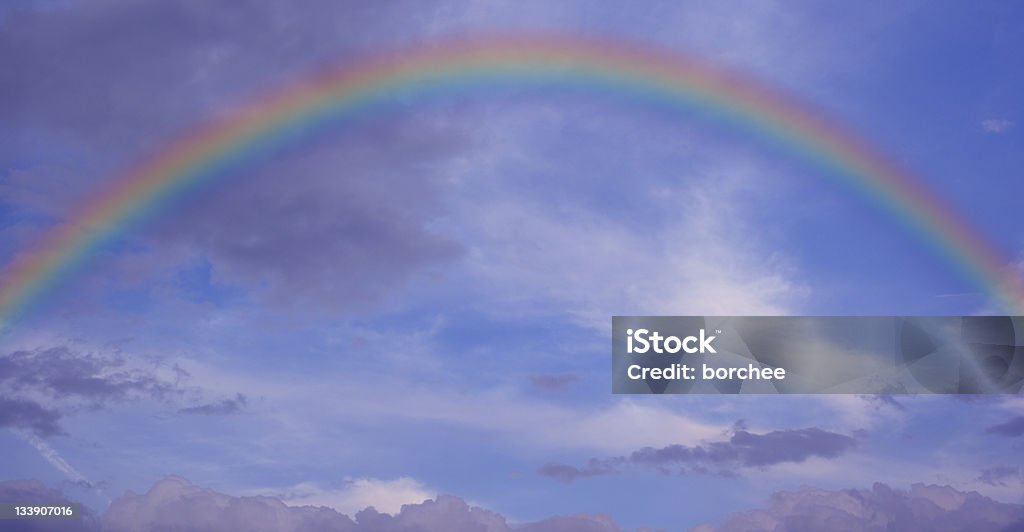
[[338, 226], [29, 415], [922, 508], [223, 407], [884, 400], [568, 473], [125, 74], [65, 374], [1003, 476], [781, 446], [39, 387], [342, 223], [175, 504], [742, 450], [1010, 428], [554, 382]]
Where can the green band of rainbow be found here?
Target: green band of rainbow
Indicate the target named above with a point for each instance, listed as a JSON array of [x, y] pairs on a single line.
[[334, 94]]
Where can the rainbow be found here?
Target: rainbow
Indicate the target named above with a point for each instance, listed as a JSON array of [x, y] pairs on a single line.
[[293, 113]]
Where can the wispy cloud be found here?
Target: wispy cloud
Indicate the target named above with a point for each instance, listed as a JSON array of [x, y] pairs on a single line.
[[572, 261], [996, 125], [53, 458], [233, 405], [1010, 428], [741, 451]]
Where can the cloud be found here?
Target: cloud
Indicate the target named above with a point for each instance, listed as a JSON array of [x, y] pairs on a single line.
[[174, 503], [55, 459], [527, 421], [64, 68], [38, 387], [588, 264], [574, 523], [567, 473], [65, 374], [758, 450], [1010, 428], [1002, 476], [348, 224], [922, 508], [338, 225], [885, 400], [29, 415], [996, 125], [222, 407], [385, 496], [977, 399], [742, 450], [346, 229], [554, 382], [444, 513]]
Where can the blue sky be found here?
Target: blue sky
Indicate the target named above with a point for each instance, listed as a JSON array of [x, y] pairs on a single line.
[[420, 304]]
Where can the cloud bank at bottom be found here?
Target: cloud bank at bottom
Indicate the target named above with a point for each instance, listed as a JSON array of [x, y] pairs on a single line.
[[174, 503]]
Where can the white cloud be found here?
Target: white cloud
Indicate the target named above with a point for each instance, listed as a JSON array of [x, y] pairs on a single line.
[[588, 265], [386, 496], [996, 125]]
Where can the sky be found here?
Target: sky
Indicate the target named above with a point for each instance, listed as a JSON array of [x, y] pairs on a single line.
[[416, 307]]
